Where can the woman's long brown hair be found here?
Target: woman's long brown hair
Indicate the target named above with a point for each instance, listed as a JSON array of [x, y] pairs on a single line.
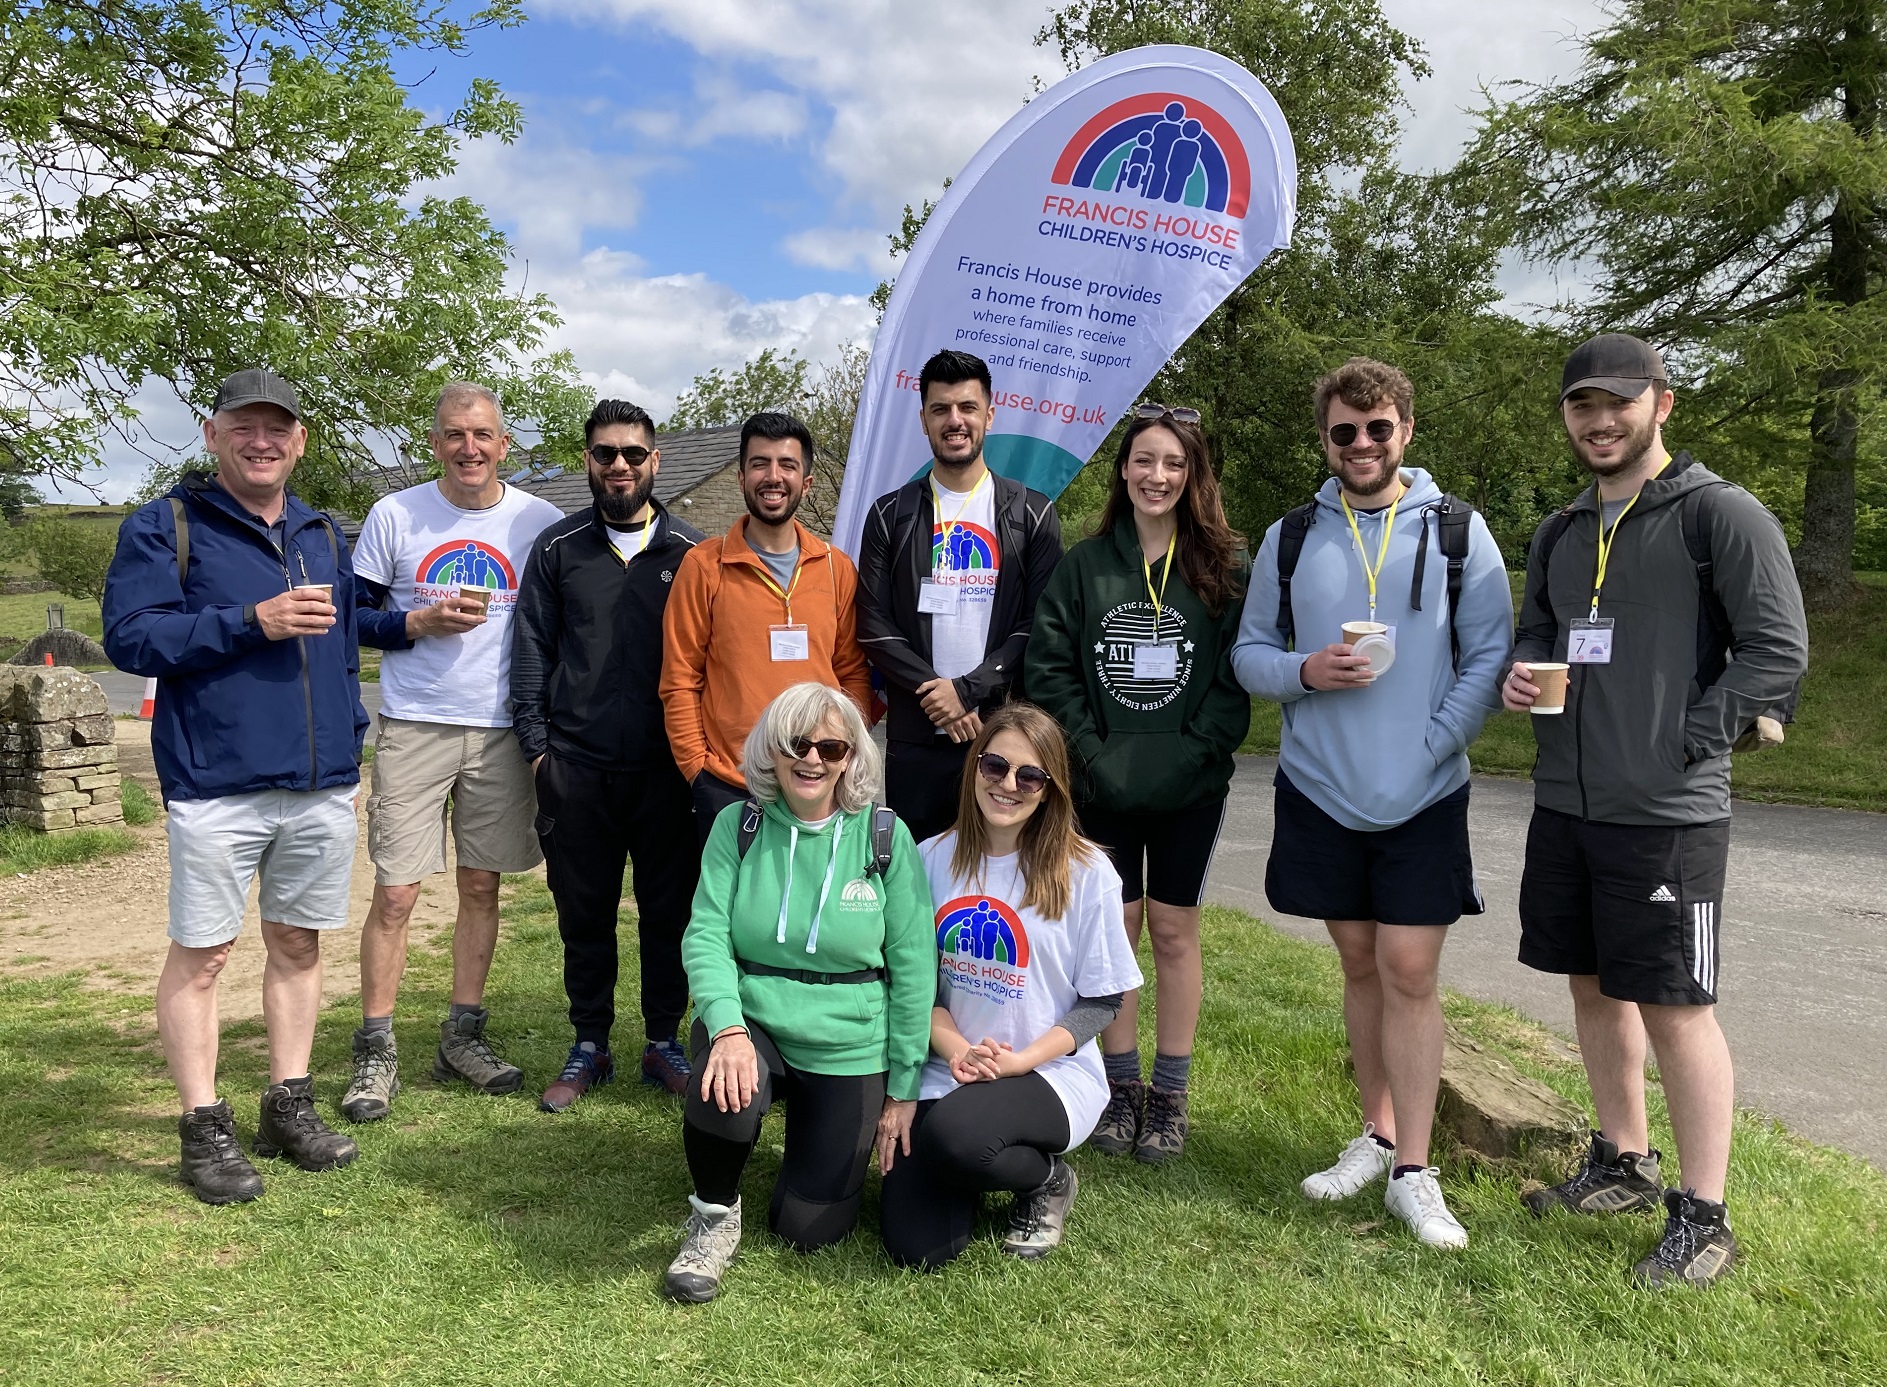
[[1050, 843], [1207, 552]]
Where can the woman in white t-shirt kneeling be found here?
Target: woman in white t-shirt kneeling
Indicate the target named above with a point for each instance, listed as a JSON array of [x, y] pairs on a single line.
[[1034, 964]]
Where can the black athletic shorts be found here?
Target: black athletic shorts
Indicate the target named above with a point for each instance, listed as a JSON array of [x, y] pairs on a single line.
[[1417, 873], [1634, 905], [1163, 857]]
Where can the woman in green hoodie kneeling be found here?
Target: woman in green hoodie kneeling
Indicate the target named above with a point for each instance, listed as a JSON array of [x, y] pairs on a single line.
[[1131, 652], [813, 968]]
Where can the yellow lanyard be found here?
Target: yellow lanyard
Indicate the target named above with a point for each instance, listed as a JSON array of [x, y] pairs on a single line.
[[647, 533], [936, 496], [1166, 573], [1382, 550], [1606, 540], [785, 594]]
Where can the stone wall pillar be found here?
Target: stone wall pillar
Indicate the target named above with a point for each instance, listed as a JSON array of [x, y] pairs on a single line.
[[58, 750]]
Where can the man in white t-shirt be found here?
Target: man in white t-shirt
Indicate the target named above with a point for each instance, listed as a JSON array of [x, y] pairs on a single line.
[[949, 570], [438, 568]]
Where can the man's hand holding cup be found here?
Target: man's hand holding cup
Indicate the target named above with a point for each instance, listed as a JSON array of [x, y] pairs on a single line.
[[1336, 667], [449, 616], [301, 611]]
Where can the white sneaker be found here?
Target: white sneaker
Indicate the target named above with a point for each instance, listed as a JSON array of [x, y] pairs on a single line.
[[1416, 1200], [713, 1237], [1363, 1162]]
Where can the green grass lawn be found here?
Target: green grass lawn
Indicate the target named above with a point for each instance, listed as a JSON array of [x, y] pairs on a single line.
[[478, 1241], [1836, 751]]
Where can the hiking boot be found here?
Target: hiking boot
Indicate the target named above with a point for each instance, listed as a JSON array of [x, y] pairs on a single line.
[[1363, 1162], [290, 1127], [665, 1065], [1416, 1200], [1162, 1127], [1608, 1181], [1037, 1218], [582, 1071], [464, 1053], [376, 1077], [213, 1164], [713, 1237], [1119, 1128], [1697, 1247]]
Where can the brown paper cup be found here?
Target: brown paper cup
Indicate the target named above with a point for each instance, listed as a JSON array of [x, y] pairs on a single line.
[[1354, 631], [482, 596], [1551, 678], [325, 589]]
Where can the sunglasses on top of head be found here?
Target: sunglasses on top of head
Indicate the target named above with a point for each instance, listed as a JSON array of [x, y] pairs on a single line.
[[606, 454], [1379, 431], [830, 749], [1030, 780], [1151, 409]]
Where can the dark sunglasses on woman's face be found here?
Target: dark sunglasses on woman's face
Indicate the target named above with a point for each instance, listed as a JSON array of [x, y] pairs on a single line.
[[1379, 430], [830, 749], [1030, 780], [606, 455], [1149, 409]]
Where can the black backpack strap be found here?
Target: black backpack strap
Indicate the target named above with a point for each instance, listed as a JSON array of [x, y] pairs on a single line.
[[180, 524], [1291, 531], [750, 814], [1453, 526], [884, 823], [1713, 623]]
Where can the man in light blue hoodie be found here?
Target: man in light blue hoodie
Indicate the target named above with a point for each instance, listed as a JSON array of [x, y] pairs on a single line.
[[1371, 830]]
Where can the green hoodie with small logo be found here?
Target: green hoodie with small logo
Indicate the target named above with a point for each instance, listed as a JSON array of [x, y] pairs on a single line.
[[838, 917], [1142, 744]]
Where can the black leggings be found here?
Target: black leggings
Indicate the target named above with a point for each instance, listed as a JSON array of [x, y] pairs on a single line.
[[831, 1124], [999, 1135]]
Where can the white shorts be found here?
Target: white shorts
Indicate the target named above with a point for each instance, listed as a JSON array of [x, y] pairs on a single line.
[[301, 842]]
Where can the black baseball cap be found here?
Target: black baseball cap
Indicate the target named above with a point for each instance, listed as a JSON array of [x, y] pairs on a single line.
[[1614, 361], [256, 386]]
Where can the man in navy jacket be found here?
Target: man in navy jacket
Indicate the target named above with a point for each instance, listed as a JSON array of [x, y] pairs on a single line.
[[239, 599]]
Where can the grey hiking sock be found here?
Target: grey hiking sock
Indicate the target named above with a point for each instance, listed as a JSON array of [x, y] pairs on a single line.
[[455, 1010], [1170, 1072], [377, 1025], [1123, 1068]]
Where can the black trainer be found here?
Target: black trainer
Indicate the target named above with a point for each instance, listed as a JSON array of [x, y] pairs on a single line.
[[213, 1164], [1608, 1181], [290, 1127], [1697, 1247]]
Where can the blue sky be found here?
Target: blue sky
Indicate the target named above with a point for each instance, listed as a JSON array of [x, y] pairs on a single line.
[[699, 179]]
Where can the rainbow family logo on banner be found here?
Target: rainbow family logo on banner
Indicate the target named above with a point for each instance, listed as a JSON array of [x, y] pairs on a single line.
[[1075, 254]]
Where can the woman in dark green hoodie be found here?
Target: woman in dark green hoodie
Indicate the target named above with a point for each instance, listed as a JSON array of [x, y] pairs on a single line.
[[813, 966], [1131, 653]]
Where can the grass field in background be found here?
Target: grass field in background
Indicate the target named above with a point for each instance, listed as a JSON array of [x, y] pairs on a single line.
[[478, 1241], [1836, 750], [27, 849]]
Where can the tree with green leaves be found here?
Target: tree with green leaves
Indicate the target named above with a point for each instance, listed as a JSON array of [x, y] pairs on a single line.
[[196, 187], [772, 380], [1717, 171], [70, 554]]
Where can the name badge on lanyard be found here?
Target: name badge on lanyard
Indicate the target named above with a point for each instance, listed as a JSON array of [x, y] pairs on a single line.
[[789, 642], [938, 598], [1156, 660], [1589, 641]]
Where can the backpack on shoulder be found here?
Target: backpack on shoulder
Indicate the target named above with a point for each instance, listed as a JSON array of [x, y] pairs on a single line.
[[883, 822], [1696, 511]]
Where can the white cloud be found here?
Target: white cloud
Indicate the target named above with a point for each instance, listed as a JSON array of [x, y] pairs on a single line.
[[840, 248], [723, 108], [549, 190]]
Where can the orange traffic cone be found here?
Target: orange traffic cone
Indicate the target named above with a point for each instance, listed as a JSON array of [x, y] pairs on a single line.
[[48, 659], [148, 708]]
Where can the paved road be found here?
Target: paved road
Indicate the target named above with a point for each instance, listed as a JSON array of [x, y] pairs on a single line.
[[1804, 946]]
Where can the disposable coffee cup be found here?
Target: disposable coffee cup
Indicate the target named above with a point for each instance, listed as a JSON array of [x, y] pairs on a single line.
[[482, 596], [325, 590], [1551, 678], [1370, 639]]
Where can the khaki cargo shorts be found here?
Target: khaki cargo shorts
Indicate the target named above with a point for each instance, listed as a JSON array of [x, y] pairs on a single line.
[[422, 771]]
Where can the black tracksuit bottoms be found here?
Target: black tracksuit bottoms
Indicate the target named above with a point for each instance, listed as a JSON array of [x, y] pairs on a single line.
[[590, 821], [922, 782], [998, 1135], [831, 1126]]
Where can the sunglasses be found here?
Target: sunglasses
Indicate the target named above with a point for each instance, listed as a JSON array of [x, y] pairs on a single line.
[[830, 749], [1149, 409], [606, 454], [1030, 780], [1379, 431]]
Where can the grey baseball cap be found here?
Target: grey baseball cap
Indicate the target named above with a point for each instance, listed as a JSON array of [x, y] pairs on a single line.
[[256, 386], [1614, 361]]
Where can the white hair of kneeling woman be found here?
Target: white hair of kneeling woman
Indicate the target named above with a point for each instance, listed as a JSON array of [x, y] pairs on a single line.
[[812, 712]]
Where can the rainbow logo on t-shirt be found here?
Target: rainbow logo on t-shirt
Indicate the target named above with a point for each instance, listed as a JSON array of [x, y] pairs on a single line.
[[967, 549], [984, 929], [466, 563]]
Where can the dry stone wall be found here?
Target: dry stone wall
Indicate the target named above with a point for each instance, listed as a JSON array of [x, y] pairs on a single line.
[[58, 750]]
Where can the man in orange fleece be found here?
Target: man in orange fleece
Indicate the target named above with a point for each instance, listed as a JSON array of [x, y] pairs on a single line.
[[763, 607]]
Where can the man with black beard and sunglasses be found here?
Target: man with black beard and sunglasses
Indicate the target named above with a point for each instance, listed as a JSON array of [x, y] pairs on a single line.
[[585, 667]]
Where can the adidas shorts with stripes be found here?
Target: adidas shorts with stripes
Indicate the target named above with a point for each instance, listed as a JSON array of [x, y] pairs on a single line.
[[1635, 904]]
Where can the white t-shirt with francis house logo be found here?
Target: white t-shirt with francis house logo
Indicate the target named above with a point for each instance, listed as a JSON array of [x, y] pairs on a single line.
[[1011, 973], [965, 559], [422, 548]]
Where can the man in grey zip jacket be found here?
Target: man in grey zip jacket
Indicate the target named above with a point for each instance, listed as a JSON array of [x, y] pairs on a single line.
[[1630, 835]]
